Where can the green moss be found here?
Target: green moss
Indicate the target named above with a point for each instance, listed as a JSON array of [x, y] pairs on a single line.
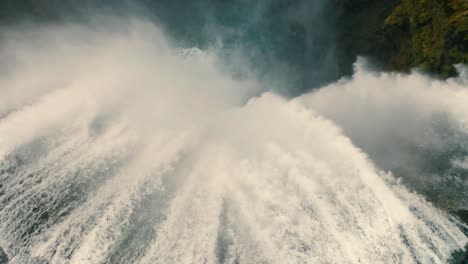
[[434, 31]]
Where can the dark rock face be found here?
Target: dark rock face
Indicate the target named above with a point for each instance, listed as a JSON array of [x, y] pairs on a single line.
[[3, 257], [359, 30]]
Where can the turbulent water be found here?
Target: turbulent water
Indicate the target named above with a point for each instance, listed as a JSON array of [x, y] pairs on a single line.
[[118, 147]]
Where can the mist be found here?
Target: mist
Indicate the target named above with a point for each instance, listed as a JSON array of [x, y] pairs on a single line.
[[294, 52], [120, 143], [411, 125]]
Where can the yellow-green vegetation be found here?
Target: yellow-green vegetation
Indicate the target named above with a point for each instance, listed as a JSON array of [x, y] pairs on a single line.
[[430, 34]]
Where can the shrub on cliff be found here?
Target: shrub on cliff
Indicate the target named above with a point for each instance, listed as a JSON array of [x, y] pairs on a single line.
[[429, 34]]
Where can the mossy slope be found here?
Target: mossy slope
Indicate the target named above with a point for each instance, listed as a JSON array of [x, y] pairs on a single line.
[[429, 34]]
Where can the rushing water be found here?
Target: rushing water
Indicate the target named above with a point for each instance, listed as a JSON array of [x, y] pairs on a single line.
[[117, 147]]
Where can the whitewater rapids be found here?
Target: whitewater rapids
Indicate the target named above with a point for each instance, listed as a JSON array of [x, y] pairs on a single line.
[[116, 147]]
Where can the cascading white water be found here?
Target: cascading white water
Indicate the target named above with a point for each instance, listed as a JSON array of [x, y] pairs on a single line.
[[117, 148]]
